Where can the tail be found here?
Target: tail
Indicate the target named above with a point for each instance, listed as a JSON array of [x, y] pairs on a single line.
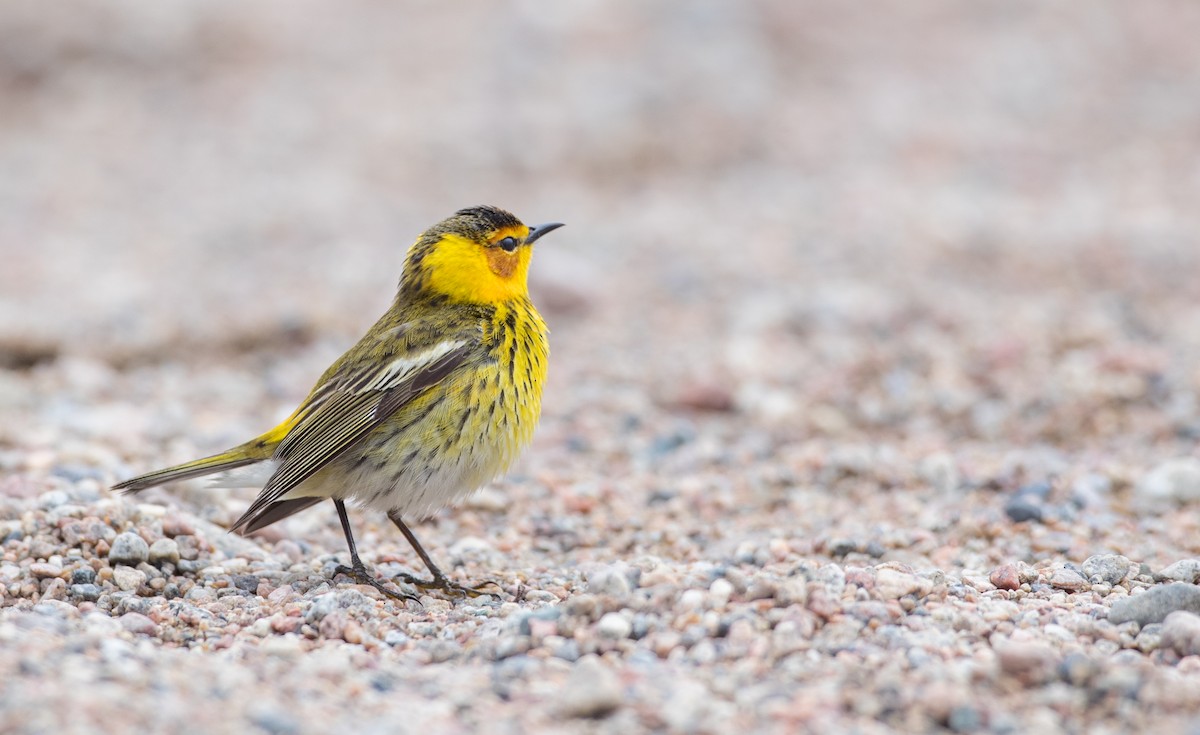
[[232, 459]]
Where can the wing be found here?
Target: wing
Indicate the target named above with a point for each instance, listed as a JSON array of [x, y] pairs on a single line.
[[345, 408]]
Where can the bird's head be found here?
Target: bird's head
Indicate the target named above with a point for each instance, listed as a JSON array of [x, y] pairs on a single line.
[[480, 255]]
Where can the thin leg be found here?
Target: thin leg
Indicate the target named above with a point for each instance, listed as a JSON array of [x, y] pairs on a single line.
[[440, 581], [357, 569]]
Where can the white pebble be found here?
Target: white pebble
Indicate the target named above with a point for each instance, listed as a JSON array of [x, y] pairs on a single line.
[[615, 626], [720, 591], [691, 599]]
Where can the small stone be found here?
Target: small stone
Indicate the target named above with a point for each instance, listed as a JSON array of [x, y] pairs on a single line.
[[706, 396], [609, 580], [1022, 508], [1149, 638], [792, 591], [247, 582], [164, 551], [85, 592], [591, 690], [138, 623], [1066, 578], [1155, 604], [1039, 490], [692, 599], [842, 547], [1181, 633], [128, 578], [129, 549], [53, 499], [614, 626], [83, 575], [42, 570], [761, 589], [173, 525], [1184, 570], [1077, 669], [1175, 480], [1005, 577], [892, 584], [1107, 568], [941, 471], [1028, 662], [719, 592]]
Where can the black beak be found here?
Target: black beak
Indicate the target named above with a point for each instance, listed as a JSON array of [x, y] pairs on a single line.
[[537, 231]]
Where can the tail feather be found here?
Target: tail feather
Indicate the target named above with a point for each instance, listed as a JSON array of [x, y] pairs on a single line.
[[276, 511], [217, 463]]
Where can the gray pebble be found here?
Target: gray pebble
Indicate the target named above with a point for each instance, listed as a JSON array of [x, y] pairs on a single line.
[[545, 613], [1184, 570], [128, 548], [1077, 669], [591, 690], [87, 592], [1180, 632], [964, 718], [609, 580], [1039, 490], [1153, 605], [1024, 508], [83, 575], [52, 499], [247, 582], [1174, 480], [1107, 568], [164, 551]]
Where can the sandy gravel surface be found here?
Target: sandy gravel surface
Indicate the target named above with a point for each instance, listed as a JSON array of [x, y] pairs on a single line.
[[874, 390]]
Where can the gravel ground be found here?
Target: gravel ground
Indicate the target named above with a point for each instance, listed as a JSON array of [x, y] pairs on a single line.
[[874, 394]]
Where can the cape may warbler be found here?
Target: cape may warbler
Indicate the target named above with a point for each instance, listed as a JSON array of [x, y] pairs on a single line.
[[436, 399]]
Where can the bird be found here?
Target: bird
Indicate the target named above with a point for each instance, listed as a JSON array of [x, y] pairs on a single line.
[[438, 398]]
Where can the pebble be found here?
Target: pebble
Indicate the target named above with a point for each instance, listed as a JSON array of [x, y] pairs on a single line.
[[1067, 578], [1022, 508], [1184, 570], [163, 551], [1107, 568], [720, 592], [614, 626], [128, 548], [1180, 633], [591, 690], [128, 579], [1030, 662], [138, 623], [609, 580], [1175, 480], [1005, 577], [88, 592], [892, 584], [1153, 605], [43, 570]]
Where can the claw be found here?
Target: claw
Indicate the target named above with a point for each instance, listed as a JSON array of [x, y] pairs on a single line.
[[441, 582], [361, 575]]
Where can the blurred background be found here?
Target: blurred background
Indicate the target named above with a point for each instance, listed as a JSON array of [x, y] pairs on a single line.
[[925, 222]]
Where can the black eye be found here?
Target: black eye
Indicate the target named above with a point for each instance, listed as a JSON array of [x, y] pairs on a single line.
[[509, 244]]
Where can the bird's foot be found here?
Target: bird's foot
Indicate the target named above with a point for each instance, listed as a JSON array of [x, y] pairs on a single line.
[[445, 584], [360, 574]]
